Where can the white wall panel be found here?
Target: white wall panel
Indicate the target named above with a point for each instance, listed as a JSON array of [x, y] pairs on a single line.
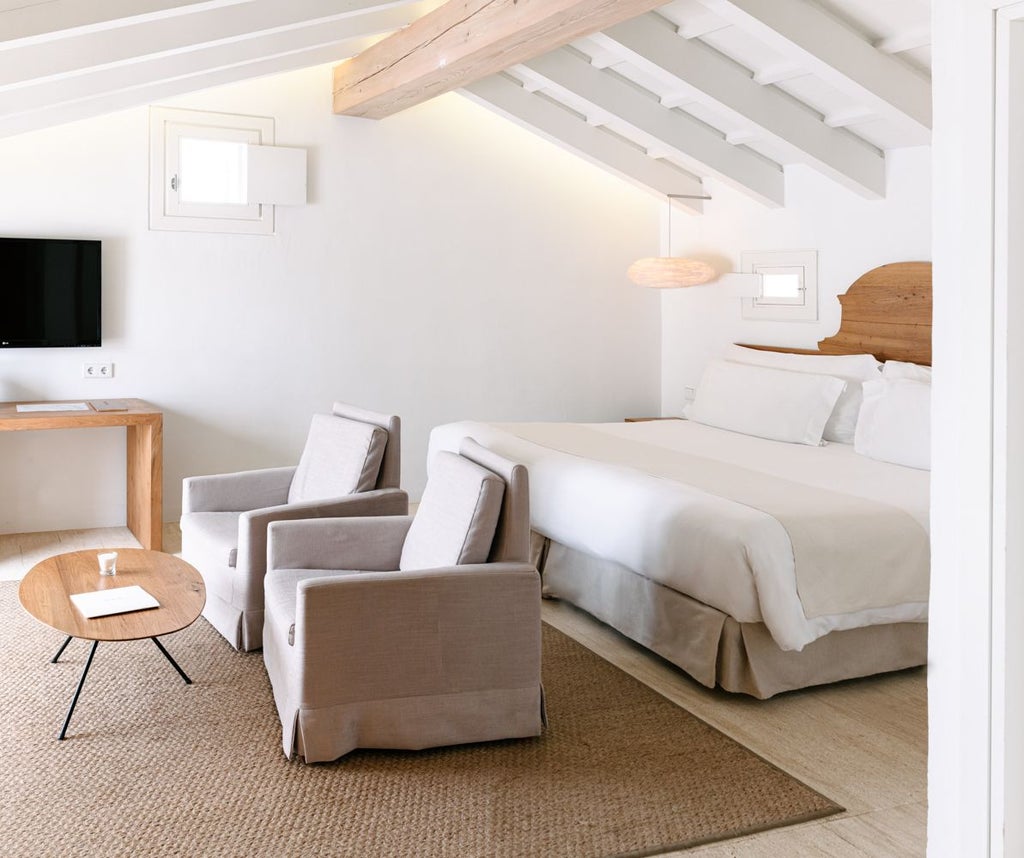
[[851, 235], [447, 265]]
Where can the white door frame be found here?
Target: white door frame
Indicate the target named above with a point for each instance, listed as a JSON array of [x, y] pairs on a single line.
[[976, 640]]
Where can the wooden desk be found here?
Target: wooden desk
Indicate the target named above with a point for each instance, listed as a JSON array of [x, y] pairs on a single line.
[[144, 425]]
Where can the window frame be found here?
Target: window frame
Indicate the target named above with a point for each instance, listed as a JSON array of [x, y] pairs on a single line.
[[168, 126], [804, 263]]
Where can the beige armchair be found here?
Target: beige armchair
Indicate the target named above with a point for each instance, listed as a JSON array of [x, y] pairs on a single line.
[[409, 632], [351, 465]]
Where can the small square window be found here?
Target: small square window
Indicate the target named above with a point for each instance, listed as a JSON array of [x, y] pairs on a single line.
[[789, 285], [219, 172], [780, 285], [212, 171]]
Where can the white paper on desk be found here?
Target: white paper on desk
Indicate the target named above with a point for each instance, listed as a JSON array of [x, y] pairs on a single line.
[[52, 406], [117, 600]]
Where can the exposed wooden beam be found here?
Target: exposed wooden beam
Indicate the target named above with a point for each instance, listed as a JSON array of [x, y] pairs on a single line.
[[842, 57], [51, 93], [463, 41], [564, 128], [123, 45], [652, 45], [693, 141]]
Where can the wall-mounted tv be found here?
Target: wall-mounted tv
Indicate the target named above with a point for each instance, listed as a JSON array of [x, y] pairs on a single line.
[[49, 292]]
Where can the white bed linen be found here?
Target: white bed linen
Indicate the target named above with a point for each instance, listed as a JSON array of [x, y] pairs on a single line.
[[727, 555]]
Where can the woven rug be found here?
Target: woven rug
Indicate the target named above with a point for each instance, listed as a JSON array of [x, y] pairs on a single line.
[[153, 767]]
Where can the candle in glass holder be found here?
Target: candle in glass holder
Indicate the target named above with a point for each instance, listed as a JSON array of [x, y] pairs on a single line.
[[108, 563]]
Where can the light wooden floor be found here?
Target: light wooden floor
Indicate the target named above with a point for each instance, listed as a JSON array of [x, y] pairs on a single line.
[[862, 743]]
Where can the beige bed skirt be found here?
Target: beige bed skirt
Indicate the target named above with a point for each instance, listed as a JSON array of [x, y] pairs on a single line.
[[711, 646]]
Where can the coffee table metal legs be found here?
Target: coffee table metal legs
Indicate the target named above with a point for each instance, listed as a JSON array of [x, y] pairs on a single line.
[[81, 682], [174, 664], [85, 671], [60, 652]]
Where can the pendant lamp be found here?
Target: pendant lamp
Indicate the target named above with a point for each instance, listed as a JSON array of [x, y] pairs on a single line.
[[671, 272]]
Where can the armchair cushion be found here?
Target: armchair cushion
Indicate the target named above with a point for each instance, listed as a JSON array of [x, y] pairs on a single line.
[[457, 515], [340, 457]]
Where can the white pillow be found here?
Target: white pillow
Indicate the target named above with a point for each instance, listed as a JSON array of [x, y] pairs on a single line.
[[862, 366], [895, 422], [768, 403], [912, 371], [853, 369]]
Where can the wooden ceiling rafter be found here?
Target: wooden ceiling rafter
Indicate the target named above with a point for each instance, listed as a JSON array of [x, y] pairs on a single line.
[[462, 42]]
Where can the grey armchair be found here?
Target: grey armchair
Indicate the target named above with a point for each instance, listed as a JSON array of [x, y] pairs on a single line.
[[409, 632], [351, 465]]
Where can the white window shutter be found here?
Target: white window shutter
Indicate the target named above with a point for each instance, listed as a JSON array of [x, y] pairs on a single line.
[[277, 175]]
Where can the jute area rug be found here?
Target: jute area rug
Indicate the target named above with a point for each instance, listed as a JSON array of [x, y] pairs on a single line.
[[153, 767]]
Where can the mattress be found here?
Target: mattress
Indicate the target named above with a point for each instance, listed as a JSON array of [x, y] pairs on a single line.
[[720, 551]]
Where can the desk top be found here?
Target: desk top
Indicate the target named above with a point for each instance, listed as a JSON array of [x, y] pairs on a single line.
[[175, 584], [136, 412]]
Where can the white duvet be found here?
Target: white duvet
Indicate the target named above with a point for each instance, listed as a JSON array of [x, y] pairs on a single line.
[[733, 557]]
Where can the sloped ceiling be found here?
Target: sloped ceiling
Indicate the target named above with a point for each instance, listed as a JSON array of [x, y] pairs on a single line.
[[731, 89]]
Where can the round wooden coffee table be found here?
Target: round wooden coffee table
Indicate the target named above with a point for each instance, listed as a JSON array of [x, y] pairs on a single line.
[[45, 593]]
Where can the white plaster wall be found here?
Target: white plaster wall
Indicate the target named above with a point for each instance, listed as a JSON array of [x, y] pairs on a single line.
[[448, 265], [851, 235]]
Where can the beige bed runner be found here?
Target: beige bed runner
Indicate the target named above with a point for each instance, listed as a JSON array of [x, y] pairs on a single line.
[[828, 530]]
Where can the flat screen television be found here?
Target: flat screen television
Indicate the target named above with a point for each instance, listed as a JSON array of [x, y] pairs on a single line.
[[49, 292]]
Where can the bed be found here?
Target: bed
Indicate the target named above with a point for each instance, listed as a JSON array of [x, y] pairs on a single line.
[[754, 565]]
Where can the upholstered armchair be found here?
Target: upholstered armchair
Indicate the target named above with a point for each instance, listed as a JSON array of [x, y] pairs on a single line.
[[409, 632], [351, 465]]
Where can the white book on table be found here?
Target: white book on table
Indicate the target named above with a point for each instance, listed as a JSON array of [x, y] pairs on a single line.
[[116, 600], [51, 406]]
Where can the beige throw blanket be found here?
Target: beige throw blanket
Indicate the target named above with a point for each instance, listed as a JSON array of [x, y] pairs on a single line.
[[850, 554]]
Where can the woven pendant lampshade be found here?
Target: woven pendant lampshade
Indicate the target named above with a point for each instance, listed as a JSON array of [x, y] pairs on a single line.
[[668, 272], [671, 272]]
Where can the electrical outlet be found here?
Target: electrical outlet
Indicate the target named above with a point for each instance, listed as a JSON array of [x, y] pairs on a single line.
[[688, 394], [97, 370]]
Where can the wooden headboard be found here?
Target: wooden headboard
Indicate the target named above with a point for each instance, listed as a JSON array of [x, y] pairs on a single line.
[[886, 312]]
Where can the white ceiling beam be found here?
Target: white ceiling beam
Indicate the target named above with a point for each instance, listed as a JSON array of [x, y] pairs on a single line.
[[837, 54], [702, 26], [51, 93], [778, 73], [850, 116], [907, 41], [562, 127], [695, 142], [135, 41], [462, 41], [603, 59], [743, 136], [658, 153], [653, 46], [678, 99], [54, 19], [150, 93]]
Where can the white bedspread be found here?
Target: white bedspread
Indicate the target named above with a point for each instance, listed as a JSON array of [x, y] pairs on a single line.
[[728, 555]]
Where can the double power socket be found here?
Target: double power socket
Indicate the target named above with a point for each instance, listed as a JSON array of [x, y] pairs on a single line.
[[97, 370]]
